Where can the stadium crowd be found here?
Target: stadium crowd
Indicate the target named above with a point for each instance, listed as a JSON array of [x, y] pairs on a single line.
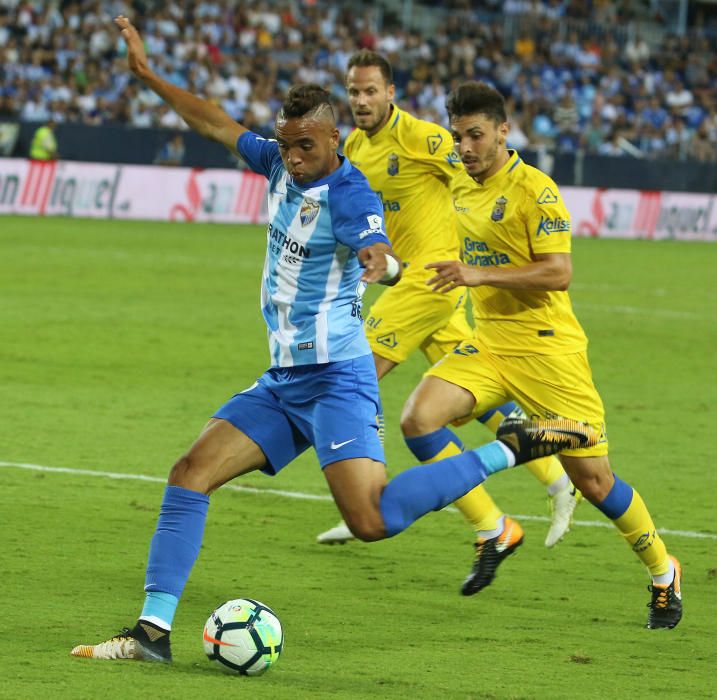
[[567, 85]]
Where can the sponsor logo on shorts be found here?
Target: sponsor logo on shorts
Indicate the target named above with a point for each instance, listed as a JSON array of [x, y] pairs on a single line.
[[548, 226], [337, 445], [466, 349], [389, 340], [307, 346]]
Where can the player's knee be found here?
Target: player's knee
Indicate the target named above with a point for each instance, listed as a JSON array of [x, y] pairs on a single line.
[[416, 419], [594, 486], [188, 474]]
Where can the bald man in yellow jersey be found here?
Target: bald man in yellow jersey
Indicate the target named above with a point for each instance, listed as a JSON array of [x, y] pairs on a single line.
[[410, 163], [528, 346]]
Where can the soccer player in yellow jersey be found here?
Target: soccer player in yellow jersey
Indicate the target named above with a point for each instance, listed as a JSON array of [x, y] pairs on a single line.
[[410, 163], [528, 346]]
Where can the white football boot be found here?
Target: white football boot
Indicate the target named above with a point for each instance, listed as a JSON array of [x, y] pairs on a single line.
[[336, 535]]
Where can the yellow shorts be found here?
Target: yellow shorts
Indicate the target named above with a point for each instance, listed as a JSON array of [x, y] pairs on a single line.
[[411, 315], [545, 386]]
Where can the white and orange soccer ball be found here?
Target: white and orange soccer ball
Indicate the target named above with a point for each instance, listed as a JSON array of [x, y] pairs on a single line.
[[244, 636]]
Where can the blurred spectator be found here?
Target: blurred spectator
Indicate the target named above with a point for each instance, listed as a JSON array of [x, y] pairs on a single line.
[[636, 50], [172, 152], [702, 147], [574, 68], [44, 144]]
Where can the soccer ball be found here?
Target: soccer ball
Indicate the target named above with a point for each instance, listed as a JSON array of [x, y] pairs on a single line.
[[244, 636]]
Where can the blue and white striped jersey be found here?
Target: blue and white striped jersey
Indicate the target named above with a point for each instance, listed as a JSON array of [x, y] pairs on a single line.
[[311, 287]]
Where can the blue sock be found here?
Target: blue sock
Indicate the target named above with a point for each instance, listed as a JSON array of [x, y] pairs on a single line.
[[419, 490], [159, 608], [426, 447], [176, 542], [618, 499]]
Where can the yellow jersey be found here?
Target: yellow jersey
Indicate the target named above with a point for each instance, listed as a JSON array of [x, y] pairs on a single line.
[[410, 163], [503, 222]]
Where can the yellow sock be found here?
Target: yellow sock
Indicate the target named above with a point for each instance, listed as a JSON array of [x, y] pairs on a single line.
[[636, 526], [546, 470], [477, 507]]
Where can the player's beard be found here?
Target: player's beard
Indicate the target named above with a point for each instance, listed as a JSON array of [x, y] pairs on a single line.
[[377, 123], [484, 163]]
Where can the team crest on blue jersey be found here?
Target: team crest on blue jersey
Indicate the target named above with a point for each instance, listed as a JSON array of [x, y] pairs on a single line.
[[392, 164], [309, 210], [499, 209]]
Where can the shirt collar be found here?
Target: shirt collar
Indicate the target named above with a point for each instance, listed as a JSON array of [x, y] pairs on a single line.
[[388, 127], [513, 162]]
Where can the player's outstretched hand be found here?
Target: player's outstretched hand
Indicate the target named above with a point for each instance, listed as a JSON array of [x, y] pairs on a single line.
[[375, 261], [136, 57], [451, 274]]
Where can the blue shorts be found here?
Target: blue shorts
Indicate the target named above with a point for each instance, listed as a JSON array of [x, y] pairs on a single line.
[[334, 407]]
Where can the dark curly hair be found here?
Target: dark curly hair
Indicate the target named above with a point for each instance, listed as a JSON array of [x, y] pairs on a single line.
[[475, 97]]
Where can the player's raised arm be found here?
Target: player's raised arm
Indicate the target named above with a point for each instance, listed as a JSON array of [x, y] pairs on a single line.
[[205, 118]]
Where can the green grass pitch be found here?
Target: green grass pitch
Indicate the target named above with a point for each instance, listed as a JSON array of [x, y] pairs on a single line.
[[119, 339]]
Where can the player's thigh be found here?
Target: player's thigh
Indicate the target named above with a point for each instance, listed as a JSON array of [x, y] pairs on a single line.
[[406, 315], [345, 420], [262, 417], [592, 475], [550, 386], [383, 365], [356, 485], [458, 388], [450, 336], [219, 454]]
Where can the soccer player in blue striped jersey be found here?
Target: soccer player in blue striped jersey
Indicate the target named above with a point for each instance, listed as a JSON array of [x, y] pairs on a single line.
[[325, 242]]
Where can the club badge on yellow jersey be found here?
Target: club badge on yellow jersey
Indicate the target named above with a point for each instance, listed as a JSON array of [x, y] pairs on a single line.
[[392, 168], [499, 209]]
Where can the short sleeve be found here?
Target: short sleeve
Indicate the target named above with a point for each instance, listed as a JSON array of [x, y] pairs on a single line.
[[349, 144], [261, 155], [547, 218], [357, 216], [434, 145]]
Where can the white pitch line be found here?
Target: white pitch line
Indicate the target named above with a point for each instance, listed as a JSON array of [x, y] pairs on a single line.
[[641, 311], [311, 496]]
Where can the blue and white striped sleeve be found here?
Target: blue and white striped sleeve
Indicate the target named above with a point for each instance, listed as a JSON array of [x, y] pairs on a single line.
[[357, 216], [261, 155]]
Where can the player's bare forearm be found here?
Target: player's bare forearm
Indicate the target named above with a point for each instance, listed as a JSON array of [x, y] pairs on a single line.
[[550, 272], [378, 267], [202, 116]]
